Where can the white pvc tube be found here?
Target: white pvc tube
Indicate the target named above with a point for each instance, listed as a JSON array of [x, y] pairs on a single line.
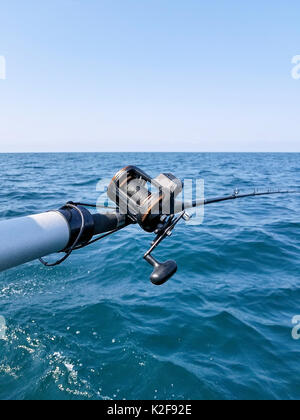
[[29, 238]]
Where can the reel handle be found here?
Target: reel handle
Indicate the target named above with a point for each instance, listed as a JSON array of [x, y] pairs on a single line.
[[162, 271]]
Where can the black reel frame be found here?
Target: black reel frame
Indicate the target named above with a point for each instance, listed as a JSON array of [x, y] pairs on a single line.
[[128, 189]]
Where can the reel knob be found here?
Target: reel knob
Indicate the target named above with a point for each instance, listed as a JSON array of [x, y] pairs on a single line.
[[162, 271]]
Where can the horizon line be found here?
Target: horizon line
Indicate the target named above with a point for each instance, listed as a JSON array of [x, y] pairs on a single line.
[[152, 152]]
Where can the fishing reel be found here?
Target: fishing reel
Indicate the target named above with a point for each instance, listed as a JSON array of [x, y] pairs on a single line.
[[151, 204]]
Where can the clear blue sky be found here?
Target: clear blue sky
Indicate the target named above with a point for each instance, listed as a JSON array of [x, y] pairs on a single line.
[[149, 75]]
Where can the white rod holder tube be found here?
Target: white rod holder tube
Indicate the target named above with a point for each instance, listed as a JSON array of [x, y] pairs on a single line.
[[28, 238]]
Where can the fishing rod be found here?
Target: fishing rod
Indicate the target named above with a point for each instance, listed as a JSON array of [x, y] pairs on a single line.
[[139, 199]]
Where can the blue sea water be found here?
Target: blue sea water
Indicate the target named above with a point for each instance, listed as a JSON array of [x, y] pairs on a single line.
[[96, 328]]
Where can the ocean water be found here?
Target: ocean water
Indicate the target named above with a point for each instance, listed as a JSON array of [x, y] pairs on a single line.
[[96, 328]]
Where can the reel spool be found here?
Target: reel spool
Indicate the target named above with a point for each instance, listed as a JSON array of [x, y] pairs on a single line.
[[132, 190]]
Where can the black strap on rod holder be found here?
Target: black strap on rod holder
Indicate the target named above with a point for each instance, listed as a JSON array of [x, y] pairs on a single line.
[[75, 221]]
